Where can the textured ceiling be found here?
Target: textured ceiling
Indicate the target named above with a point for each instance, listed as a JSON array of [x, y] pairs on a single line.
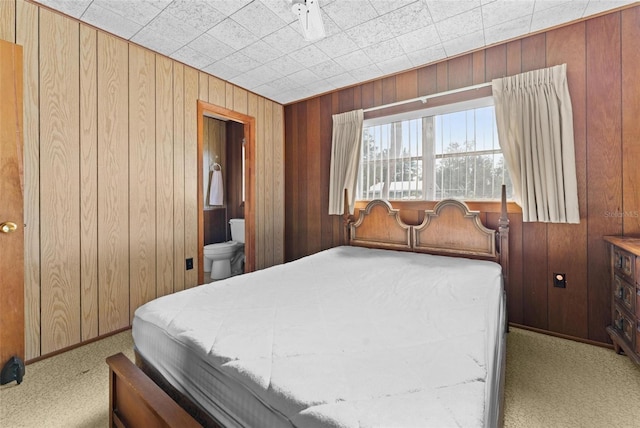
[[257, 44]]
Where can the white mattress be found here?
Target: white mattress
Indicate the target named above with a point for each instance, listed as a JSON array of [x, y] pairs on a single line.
[[349, 337]]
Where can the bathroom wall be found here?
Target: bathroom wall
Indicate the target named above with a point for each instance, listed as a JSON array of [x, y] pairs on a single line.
[[235, 201], [214, 139], [222, 144], [215, 225]]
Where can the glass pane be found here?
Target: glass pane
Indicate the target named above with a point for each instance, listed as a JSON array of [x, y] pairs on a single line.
[[461, 153], [471, 177]]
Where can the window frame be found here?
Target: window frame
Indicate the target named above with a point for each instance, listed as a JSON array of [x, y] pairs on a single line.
[[432, 111]]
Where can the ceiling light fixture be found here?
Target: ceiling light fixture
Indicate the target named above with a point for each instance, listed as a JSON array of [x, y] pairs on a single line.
[[308, 13]]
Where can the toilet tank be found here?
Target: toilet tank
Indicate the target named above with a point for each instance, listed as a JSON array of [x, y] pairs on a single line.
[[237, 229]]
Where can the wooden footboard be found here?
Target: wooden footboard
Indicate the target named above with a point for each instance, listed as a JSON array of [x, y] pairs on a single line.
[[199, 415], [136, 401]]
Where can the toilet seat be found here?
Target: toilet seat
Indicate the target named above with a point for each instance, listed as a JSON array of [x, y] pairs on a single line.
[[220, 247]]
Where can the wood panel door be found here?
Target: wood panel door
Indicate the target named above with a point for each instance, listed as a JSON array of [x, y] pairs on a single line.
[[11, 207]]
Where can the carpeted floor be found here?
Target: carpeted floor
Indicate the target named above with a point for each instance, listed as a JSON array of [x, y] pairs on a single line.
[[68, 390], [553, 382], [550, 382]]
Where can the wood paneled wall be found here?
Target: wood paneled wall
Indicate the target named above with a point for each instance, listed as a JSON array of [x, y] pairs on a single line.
[[59, 195], [602, 56], [111, 175]]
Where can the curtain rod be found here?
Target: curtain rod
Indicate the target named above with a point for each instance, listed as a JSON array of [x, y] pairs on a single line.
[[424, 98]]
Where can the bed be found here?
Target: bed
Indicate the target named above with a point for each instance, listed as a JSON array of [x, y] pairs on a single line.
[[405, 326]]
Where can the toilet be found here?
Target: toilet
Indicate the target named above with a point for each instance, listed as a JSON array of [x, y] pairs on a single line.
[[226, 258]]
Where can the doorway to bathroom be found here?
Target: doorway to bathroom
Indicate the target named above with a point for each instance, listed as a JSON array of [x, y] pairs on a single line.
[[233, 162]]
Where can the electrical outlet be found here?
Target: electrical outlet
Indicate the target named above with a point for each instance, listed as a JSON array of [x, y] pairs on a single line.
[[560, 280], [189, 263]]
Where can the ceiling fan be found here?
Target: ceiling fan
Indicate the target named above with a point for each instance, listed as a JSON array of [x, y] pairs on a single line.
[[308, 13]]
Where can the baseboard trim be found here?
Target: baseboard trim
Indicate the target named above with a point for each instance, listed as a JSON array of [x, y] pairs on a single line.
[[77, 345], [562, 336]]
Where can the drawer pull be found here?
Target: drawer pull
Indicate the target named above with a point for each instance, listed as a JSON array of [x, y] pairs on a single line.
[[627, 298], [626, 265], [623, 262]]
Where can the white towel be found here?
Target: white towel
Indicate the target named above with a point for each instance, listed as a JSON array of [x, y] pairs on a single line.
[[216, 192]]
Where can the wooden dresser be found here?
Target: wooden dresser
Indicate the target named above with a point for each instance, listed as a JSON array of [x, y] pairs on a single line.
[[625, 295]]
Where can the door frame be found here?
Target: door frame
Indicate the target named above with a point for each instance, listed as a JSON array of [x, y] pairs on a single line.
[[249, 123]]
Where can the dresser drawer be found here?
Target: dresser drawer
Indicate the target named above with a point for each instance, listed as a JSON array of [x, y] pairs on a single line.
[[638, 338], [624, 264], [638, 303], [625, 325], [624, 293]]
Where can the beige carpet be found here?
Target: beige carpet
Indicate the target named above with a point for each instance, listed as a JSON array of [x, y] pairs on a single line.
[[557, 383], [550, 382], [68, 390]]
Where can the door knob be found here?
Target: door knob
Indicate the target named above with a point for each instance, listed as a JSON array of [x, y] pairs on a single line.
[[8, 227]]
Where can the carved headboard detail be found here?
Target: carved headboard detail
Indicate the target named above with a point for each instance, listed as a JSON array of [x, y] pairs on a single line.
[[383, 227], [451, 228]]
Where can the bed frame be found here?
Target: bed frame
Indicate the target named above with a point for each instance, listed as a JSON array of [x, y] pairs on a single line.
[[140, 397]]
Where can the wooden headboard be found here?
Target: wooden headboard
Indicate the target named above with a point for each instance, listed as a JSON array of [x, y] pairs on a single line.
[[449, 229], [380, 226], [452, 229]]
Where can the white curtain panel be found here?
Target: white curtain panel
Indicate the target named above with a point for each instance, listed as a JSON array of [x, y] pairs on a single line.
[[535, 129], [345, 159]]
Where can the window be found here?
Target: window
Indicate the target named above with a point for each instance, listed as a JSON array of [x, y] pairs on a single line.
[[442, 152]]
